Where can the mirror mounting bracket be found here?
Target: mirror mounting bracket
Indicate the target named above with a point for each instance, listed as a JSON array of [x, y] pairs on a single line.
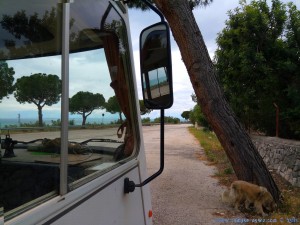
[[159, 40], [156, 10], [129, 186]]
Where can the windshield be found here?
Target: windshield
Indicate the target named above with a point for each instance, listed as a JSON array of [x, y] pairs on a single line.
[[100, 134]]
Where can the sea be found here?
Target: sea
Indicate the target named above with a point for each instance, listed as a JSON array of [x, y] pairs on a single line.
[[19, 122]]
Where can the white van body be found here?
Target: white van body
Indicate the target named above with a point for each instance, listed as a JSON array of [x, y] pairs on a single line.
[[48, 183]]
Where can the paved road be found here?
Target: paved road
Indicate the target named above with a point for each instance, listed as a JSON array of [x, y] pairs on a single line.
[[185, 193]]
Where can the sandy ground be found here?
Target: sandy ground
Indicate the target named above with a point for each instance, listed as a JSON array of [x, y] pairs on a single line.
[[185, 193]]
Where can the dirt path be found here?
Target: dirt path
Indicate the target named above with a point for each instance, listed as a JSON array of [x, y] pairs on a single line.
[[185, 193]]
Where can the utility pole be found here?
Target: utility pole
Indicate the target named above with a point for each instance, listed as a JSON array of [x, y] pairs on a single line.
[[19, 119], [277, 119]]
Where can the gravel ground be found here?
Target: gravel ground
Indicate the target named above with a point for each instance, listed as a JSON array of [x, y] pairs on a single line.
[[185, 193]]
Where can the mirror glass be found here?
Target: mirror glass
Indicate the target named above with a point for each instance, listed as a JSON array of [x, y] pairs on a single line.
[[156, 68]]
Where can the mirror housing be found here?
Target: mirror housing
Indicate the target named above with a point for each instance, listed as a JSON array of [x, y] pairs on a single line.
[[156, 74], [156, 66]]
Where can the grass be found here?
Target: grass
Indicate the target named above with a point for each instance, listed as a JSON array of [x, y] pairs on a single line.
[[215, 155], [209, 142], [288, 211], [290, 207]]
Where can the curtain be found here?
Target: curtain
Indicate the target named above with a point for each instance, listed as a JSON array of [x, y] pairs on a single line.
[[116, 69]]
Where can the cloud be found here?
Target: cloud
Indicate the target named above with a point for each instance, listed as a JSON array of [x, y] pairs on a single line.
[[182, 86], [93, 75], [50, 64], [138, 21], [211, 21], [87, 73]]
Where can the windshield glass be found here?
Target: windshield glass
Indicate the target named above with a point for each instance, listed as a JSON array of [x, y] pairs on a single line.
[[101, 135]]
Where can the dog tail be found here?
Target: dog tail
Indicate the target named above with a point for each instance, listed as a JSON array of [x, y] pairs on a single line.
[[227, 196]]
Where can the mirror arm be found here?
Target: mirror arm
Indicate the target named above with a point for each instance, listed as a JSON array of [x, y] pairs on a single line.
[[156, 10], [129, 186]]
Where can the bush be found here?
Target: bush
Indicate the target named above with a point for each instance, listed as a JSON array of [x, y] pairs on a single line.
[[168, 119], [146, 120], [196, 115], [58, 122]]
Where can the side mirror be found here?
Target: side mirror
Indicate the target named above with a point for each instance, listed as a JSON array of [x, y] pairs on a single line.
[[156, 66]]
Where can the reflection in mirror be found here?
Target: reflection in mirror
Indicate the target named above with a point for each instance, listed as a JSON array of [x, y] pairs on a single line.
[[156, 86], [156, 67]]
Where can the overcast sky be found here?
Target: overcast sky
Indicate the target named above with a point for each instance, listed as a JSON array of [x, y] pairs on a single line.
[[211, 21]]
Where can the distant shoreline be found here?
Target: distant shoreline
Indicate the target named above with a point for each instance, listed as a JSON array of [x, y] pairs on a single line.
[[5, 122]]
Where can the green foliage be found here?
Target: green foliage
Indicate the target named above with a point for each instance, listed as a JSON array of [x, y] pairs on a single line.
[[21, 24], [209, 142], [6, 80], [84, 103], [32, 29], [186, 115], [196, 115], [146, 120], [30, 124], [228, 170], [168, 119], [40, 89], [58, 122], [258, 65], [140, 5], [113, 107], [54, 123], [215, 155], [143, 109]]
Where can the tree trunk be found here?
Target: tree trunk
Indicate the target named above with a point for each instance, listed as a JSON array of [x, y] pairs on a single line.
[[244, 157], [83, 119], [40, 108], [120, 116]]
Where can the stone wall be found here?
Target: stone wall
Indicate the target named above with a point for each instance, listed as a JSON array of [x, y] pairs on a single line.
[[281, 155]]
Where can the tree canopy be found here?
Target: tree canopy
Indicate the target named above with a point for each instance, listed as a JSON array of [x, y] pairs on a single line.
[[32, 29], [196, 115], [113, 107], [186, 115], [258, 65], [193, 3], [84, 103], [243, 155], [6, 79], [143, 108], [40, 89]]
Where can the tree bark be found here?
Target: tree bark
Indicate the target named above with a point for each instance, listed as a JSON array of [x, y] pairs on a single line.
[[40, 113], [244, 157], [83, 119]]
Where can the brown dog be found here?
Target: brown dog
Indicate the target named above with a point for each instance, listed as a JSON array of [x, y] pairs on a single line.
[[242, 192]]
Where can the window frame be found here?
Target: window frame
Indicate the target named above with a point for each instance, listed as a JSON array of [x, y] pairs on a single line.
[[64, 186]]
